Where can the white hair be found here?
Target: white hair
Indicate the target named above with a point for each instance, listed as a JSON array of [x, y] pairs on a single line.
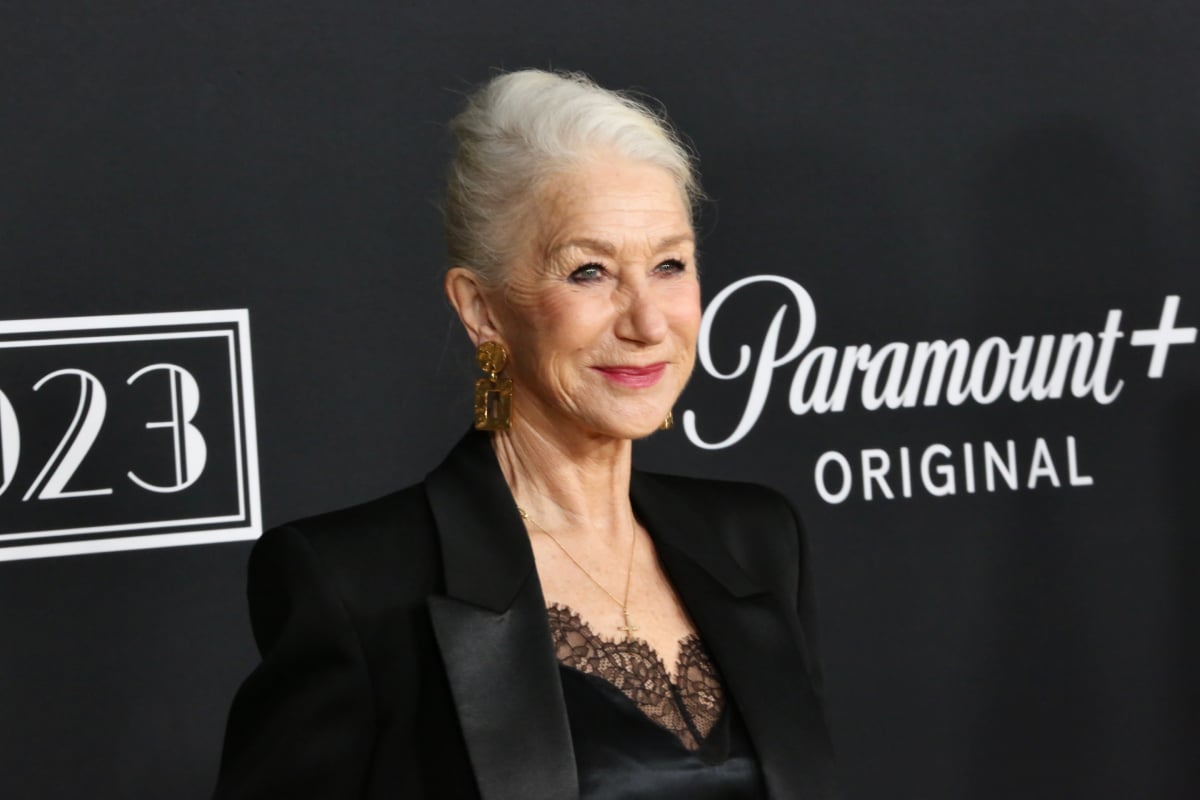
[[521, 128]]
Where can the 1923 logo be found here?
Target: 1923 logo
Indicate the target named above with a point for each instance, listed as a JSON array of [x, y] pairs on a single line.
[[125, 432]]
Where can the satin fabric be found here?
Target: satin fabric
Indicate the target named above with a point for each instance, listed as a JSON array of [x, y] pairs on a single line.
[[621, 754]]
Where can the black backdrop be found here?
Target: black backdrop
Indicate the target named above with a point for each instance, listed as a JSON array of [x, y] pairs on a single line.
[[924, 170]]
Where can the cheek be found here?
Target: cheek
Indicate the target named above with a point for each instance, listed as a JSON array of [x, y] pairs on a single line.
[[530, 313], [558, 325], [570, 323], [685, 313]]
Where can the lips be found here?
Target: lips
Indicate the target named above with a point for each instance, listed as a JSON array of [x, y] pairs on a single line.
[[633, 376]]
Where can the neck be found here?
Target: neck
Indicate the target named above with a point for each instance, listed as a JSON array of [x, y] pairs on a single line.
[[577, 486]]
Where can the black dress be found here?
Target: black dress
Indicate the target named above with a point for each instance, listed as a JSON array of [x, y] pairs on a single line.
[[641, 732]]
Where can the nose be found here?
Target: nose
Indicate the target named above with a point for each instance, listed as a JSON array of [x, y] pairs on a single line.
[[641, 319]]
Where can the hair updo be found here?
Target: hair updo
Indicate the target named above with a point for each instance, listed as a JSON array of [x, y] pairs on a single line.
[[521, 128]]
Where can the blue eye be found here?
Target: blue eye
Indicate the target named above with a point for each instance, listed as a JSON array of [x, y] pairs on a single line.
[[587, 274], [671, 265]]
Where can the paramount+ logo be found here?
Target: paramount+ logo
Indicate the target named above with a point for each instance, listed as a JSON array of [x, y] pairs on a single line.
[[126, 432], [823, 379]]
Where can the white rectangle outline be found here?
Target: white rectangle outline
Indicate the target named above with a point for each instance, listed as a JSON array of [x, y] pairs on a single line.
[[237, 442], [247, 483], [133, 337]]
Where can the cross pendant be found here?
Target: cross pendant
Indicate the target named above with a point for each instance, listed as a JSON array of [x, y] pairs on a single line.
[[628, 627]]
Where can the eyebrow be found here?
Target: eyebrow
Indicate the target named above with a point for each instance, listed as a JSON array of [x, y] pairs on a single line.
[[607, 248]]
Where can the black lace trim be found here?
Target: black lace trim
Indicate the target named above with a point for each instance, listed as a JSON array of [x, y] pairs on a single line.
[[688, 703]]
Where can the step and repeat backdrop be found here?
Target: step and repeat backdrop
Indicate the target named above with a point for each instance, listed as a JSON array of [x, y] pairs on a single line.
[[951, 271]]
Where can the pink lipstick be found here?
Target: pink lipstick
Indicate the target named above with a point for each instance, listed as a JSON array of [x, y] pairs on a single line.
[[634, 377]]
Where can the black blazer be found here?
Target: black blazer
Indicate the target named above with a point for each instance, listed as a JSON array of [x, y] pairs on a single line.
[[406, 654]]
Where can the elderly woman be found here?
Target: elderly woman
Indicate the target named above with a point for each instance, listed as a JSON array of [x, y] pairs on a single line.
[[537, 619]]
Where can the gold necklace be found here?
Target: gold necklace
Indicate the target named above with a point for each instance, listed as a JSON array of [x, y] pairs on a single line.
[[628, 628]]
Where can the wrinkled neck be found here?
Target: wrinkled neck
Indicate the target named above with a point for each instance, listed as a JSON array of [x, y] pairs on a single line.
[[577, 486]]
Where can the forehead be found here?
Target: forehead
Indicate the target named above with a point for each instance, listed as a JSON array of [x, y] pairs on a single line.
[[611, 200]]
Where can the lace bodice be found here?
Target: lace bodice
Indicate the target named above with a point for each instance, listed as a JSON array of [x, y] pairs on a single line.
[[687, 703]]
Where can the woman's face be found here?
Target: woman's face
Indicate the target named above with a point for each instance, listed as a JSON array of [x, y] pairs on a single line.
[[601, 307]]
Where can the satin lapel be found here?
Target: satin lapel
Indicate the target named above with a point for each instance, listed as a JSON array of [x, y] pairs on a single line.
[[491, 629], [748, 632]]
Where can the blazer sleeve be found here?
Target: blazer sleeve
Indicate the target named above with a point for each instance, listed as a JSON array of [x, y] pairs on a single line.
[[789, 557], [302, 724], [806, 605]]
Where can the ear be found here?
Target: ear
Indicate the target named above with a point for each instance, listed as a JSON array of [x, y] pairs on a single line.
[[473, 303]]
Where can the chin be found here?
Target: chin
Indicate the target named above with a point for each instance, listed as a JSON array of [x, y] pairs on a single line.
[[631, 435], [630, 426]]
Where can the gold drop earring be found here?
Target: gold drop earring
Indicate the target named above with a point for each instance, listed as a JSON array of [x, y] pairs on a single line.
[[493, 395], [668, 423]]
